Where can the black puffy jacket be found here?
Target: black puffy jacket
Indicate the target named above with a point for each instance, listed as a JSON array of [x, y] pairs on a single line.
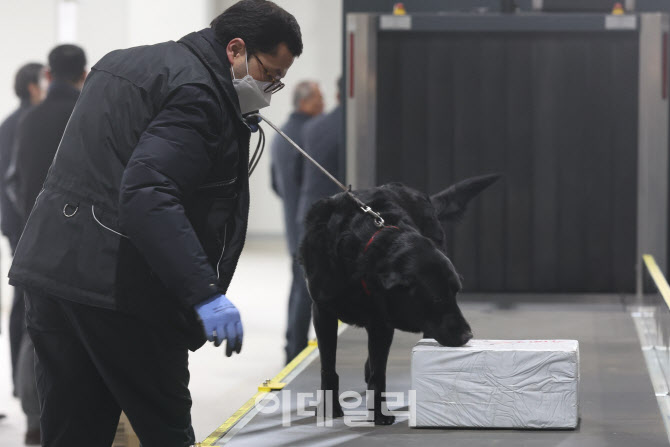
[[37, 138], [145, 206]]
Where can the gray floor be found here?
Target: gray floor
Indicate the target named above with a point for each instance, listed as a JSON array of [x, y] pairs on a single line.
[[618, 406]]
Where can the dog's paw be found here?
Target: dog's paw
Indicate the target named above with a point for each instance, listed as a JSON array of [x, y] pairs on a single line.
[[381, 419], [367, 371], [337, 410]]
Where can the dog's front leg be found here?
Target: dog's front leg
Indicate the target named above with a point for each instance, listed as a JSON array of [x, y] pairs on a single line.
[[325, 326], [379, 345]]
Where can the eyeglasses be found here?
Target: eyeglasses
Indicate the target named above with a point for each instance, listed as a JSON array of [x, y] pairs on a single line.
[[276, 83]]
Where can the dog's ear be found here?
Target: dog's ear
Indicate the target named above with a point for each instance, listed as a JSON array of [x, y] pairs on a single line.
[[452, 203], [391, 279]]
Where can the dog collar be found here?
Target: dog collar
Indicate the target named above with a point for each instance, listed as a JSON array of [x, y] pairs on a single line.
[[365, 286]]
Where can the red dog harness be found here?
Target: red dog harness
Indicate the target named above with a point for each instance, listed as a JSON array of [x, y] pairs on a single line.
[[365, 286]]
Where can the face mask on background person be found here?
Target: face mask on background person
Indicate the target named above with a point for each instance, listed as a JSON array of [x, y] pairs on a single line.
[[250, 92]]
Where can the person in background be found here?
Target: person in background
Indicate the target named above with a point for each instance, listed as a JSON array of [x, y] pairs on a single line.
[[324, 141], [286, 165], [135, 236], [43, 126], [28, 89], [37, 139]]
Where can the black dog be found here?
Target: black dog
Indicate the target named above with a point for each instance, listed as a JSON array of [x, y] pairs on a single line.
[[396, 277]]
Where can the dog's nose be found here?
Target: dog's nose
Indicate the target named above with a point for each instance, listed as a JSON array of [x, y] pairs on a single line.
[[466, 337]]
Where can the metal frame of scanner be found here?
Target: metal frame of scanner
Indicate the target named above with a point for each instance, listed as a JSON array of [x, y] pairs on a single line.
[[361, 76]]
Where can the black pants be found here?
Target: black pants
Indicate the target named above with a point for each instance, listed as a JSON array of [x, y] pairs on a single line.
[[299, 314], [17, 323], [92, 362], [17, 329]]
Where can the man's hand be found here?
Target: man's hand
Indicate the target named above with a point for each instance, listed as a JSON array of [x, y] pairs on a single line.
[[221, 321]]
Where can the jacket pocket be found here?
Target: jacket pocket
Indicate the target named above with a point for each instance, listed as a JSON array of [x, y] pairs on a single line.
[[209, 212], [62, 244], [98, 255], [219, 212], [106, 227]]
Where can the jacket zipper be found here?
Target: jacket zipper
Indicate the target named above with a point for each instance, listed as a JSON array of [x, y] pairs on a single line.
[[214, 185], [218, 264]]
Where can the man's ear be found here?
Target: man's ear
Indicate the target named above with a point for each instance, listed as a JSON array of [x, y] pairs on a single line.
[[35, 93], [389, 280], [235, 48], [452, 203], [82, 79]]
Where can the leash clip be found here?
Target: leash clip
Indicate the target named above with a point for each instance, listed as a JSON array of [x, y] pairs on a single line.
[[379, 221]]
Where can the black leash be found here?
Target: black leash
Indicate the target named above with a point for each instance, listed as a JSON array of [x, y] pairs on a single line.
[[379, 221], [258, 153]]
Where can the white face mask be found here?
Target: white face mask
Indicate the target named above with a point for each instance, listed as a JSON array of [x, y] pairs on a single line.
[[250, 92]]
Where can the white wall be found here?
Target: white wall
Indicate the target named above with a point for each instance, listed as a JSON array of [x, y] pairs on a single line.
[[27, 32], [29, 29], [153, 21]]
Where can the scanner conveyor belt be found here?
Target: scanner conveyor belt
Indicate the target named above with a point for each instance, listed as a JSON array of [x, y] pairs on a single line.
[[617, 402]]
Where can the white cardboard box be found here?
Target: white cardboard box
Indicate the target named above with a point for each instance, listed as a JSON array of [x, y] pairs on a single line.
[[497, 384]]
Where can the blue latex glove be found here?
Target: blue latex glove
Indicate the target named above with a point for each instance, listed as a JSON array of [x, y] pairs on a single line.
[[221, 321]]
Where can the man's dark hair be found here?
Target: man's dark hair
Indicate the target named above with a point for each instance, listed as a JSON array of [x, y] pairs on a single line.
[[67, 63], [28, 74], [261, 24]]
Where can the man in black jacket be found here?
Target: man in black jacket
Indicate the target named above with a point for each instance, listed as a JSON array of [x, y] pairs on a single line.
[[30, 93], [37, 138], [42, 128], [135, 236], [286, 179]]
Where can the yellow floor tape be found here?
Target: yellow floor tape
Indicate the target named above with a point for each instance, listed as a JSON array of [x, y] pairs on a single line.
[[266, 387], [657, 276]]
